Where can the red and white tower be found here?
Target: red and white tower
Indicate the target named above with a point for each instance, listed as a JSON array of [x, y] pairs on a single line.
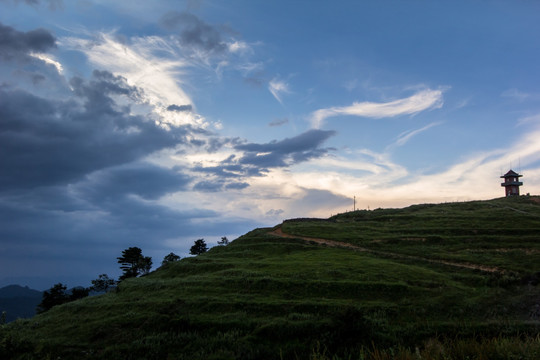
[[511, 183]]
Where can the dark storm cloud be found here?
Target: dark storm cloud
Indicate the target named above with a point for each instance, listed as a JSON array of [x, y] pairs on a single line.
[[148, 181], [227, 170], [97, 91], [257, 159], [45, 142], [230, 169], [219, 185], [194, 32], [216, 143], [286, 152], [16, 45], [209, 186], [236, 186], [225, 174], [180, 108]]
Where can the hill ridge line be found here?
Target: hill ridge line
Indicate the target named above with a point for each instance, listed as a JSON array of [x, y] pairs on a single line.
[[332, 243]]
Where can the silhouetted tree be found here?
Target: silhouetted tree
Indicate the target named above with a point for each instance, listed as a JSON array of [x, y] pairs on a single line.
[[224, 241], [54, 296], [78, 292], [172, 257], [102, 283], [198, 247], [134, 263]]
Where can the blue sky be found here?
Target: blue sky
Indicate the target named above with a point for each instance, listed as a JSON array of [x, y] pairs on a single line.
[[153, 124]]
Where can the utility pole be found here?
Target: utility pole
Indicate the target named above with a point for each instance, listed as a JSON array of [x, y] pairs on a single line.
[[354, 203]]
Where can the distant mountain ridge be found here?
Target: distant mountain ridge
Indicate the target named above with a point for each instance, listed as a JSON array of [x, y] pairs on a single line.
[[12, 291], [19, 301]]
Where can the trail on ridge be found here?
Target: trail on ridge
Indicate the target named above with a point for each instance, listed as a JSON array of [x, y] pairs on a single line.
[[332, 243]]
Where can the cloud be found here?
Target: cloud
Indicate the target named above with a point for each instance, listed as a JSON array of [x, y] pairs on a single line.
[[225, 170], [209, 186], [274, 212], [180, 108], [533, 119], [404, 137], [48, 60], [143, 63], [236, 186], [286, 152], [18, 46], [278, 88], [46, 142], [53, 4], [194, 32], [145, 180], [520, 96], [422, 100], [252, 160], [278, 122], [239, 47]]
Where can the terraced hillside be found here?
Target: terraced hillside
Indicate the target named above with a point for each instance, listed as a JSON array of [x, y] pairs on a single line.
[[452, 280]]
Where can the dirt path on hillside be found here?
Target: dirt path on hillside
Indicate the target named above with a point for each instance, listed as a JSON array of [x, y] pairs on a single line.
[[332, 243]]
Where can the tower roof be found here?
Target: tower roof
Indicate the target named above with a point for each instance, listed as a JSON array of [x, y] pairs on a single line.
[[511, 173]]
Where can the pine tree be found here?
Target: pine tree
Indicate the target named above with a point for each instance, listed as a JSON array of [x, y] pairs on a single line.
[[134, 263]]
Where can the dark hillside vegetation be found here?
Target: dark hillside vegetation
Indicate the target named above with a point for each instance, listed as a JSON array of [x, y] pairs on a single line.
[[441, 281]]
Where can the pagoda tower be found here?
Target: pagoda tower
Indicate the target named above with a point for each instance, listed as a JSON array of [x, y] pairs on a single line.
[[511, 183]]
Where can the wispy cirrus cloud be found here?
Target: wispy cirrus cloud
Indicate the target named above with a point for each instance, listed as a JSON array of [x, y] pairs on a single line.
[[404, 137], [520, 96], [533, 119], [278, 88], [422, 100]]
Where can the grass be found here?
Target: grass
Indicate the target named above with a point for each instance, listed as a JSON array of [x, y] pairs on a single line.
[[269, 297]]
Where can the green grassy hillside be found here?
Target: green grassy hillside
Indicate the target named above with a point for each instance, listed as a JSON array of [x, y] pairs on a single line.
[[437, 281]]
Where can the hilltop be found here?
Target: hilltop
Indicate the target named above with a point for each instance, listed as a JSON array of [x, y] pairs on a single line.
[[455, 278]]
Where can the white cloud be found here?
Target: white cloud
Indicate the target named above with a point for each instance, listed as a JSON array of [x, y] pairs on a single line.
[[49, 60], [277, 88], [150, 63], [422, 100], [404, 137], [239, 47]]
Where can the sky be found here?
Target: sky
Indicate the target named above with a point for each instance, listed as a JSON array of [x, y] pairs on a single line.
[[157, 123]]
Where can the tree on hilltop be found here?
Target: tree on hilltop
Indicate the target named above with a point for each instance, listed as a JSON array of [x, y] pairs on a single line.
[[198, 247], [172, 257], [78, 292], [102, 283], [56, 295], [134, 263], [224, 241]]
